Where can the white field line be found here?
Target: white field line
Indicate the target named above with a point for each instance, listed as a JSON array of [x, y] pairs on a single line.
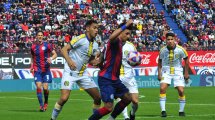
[[30, 98]]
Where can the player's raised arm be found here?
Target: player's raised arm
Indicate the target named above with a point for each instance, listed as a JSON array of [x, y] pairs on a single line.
[[64, 52], [116, 33]]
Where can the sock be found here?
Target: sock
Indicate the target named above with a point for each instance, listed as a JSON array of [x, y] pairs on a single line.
[[134, 108], [119, 107], [95, 107], [99, 113], [163, 102], [56, 111], [182, 102], [46, 95], [39, 96], [125, 111]]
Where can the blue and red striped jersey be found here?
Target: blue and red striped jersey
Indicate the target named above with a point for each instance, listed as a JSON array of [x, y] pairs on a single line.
[[110, 68], [40, 53]]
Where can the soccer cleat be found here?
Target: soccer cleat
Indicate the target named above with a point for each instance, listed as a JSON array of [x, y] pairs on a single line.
[[127, 119], [182, 114], [41, 109], [132, 117], [163, 114], [45, 106]]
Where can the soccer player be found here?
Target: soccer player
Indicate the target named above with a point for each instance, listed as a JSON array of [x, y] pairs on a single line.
[[78, 53], [40, 64], [108, 78], [170, 68], [127, 78]]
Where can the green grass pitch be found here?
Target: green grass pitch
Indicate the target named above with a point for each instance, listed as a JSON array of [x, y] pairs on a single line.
[[200, 105]]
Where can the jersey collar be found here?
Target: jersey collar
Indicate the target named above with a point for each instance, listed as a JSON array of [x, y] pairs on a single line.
[[170, 48], [88, 38]]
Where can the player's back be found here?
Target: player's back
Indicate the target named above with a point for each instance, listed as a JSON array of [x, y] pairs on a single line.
[[112, 60]]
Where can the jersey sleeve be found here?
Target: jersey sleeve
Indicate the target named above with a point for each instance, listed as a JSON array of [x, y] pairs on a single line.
[[50, 47], [75, 43], [161, 54], [184, 53]]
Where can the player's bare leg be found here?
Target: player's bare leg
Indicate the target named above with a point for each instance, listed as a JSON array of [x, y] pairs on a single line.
[[181, 100], [94, 93], [163, 87], [134, 105], [46, 95], [59, 104], [39, 95]]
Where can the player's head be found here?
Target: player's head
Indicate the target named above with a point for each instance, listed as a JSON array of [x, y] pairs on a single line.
[[39, 36], [126, 34], [91, 28], [170, 40]]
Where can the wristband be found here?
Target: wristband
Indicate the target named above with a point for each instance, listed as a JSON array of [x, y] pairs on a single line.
[[123, 27]]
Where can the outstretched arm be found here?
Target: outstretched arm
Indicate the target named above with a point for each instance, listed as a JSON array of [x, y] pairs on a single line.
[[116, 33]]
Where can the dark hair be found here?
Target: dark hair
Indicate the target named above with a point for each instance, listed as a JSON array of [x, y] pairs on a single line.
[[90, 22], [170, 34], [130, 27], [39, 32]]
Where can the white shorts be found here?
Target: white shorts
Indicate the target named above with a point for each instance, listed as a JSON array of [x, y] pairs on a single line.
[[130, 83], [178, 78], [84, 82]]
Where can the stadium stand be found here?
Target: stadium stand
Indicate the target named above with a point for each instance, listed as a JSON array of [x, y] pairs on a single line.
[[62, 20]]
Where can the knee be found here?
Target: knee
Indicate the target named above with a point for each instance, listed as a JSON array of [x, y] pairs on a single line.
[[109, 106], [162, 90], [135, 102]]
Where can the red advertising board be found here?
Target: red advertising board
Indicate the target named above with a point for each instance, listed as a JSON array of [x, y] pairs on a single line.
[[196, 58]]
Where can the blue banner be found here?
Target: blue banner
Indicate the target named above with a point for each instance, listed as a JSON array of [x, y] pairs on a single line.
[[142, 81]]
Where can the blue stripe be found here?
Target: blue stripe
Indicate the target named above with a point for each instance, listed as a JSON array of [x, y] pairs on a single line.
[[37, 55], [46, 55]]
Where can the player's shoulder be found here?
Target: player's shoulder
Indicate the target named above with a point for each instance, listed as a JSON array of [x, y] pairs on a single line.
[[79, 37], [129, 43], [179, 47], [163, 49]]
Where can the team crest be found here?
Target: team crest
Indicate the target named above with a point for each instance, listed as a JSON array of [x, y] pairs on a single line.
[[111, 96], [126, 52], [43, 48], [176, 56], [66, 83]]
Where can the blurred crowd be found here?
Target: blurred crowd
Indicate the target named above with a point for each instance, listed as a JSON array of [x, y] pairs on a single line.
[[62, 20], [196, 18]]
